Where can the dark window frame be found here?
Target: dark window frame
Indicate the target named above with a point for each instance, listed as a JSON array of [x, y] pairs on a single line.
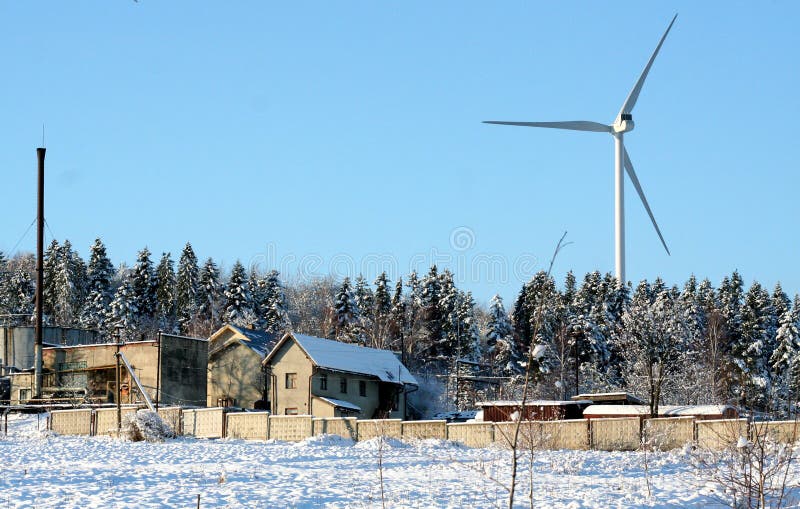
[[343, 385], [291, 380], [362, 388], [323, 382]]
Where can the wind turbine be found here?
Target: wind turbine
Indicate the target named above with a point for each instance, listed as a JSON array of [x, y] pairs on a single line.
[[622, 124]]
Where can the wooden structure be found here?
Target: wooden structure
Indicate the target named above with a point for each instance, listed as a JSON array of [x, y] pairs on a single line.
[[610, 398], [536, 410]]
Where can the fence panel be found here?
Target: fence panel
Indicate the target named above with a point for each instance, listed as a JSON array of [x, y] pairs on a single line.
[[372, 428], [720, 434], [71, 422], [291, 428], [785, 432], [530, 434], [247, 425], [204, 422], [570, 434], [342, 426], [105, 419], [424, 429], [172, 417], [615, 434], [471, 434], [667, 433]]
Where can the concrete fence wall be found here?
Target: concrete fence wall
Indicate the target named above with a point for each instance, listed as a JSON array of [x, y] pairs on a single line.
[[720, 434], [667, 433], [105, 419], [291, 428], [424, 429], [571, 434], [248, 425], [172, 416], [342, 426], [471, 434], [372, 428], [204, 422], [72, 422], [786, 432], [616, 434]]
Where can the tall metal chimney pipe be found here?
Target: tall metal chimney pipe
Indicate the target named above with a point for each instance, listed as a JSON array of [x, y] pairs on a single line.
[[37, 346]]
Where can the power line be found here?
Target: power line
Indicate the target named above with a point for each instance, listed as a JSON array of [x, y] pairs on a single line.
[[14, 249]]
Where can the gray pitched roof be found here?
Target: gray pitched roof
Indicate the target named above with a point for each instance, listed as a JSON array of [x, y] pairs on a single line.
[[337, 356], [260, 342]]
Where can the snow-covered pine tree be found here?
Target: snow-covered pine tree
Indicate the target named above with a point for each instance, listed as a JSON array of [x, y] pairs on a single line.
[[346, 321], [99, 276], [69, 286], [785, 361], [5, 281], [449, 302], [652, 341], [209, 293], [753, 351], [165, 294], [365, 304], [123, 316], [730, 296], [275, 312], [238, 304], [20, 295], [501, 347], [50, 264], [381, 311], [430, 316], [258, 296], [143, 283], [397, 328], [186, 287]]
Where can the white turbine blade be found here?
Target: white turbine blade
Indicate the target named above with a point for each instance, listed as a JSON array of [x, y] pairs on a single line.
[[572, 125], [630, 102], [638, 186]]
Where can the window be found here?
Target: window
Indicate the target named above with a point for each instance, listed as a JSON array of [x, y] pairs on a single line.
[[362, 388], [343, 385], [323, 382], [291, 411], [24, 395], [396, 402], [291, 380]]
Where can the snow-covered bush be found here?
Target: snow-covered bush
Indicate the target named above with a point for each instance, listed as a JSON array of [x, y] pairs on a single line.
[[145, 425]]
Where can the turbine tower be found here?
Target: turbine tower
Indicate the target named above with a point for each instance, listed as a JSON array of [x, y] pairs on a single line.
[[622, 124]]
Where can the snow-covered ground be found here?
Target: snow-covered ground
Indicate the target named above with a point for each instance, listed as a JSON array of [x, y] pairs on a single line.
[[42, 470]]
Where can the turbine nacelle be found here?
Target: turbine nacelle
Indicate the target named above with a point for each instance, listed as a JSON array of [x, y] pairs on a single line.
[[623, 124]]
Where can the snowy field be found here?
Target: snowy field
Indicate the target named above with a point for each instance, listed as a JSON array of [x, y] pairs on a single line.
[[42, 470]]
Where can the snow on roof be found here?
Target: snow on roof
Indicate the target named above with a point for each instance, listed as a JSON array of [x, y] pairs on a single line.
[[535, 402], [340, 403], [606, 396], [260, 342], [665, 410], [338, 356]]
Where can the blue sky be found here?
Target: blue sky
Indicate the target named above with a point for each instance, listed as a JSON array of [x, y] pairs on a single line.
[[340, 137]]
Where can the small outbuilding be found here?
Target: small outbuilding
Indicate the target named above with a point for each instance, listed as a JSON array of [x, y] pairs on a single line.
[[535, 410]]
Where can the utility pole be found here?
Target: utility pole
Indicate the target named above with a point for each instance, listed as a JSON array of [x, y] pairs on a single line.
[[37, 345], [158, 369]]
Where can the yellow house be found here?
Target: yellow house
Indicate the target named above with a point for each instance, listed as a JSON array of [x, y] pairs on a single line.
[[315, 376], [235, 373]]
